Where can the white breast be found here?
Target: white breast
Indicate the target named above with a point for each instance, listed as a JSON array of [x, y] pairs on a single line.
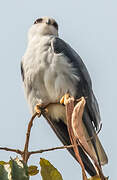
[[48, 76]]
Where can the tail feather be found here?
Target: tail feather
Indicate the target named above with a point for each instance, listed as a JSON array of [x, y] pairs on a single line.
[[102, 155], [94, 143]]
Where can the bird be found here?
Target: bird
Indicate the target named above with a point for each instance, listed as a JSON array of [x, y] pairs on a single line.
[[50, 68]]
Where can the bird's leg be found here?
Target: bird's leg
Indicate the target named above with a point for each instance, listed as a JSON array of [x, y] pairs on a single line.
[[64, 100]]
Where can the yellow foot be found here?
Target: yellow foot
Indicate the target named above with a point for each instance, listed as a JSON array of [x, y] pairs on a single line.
[[40, 107], [64, 100]]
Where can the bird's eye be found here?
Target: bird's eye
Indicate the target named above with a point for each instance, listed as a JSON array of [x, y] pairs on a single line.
[[38, 21], [55, 25]]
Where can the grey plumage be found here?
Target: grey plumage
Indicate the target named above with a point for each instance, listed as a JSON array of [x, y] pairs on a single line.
[[50, 68], [84, 86]]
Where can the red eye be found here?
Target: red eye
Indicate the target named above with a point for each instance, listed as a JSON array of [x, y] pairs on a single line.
[[38, 21], [55, 25]]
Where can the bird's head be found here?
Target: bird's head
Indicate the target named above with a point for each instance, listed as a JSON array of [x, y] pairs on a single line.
[[44, 26]]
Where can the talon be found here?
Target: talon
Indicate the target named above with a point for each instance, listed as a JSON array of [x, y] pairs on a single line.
[[65, 98], [38, 108]]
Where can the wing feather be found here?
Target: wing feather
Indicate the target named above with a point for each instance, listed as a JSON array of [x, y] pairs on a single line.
[[91, 116], [85, 85]]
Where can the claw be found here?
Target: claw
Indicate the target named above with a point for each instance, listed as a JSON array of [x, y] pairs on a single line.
[[39, 108], [65, 98]]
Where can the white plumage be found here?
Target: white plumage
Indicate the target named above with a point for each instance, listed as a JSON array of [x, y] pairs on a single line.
[[48, 73]]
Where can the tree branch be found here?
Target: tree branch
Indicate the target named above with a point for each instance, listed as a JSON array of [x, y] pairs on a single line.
[[50, 149], [37, 151], [25, 154], [12, 150]]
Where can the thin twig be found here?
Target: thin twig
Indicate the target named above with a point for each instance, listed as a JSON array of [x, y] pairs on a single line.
[[25, 155], [50, 149], [38, 151], [12, 150]]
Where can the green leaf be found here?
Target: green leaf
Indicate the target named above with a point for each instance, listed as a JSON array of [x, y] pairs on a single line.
[[19, 170], [5, 172], [48, 171], [32, 170], [2, 163]]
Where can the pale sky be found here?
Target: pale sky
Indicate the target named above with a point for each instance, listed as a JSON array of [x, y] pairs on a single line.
[[90, 27]]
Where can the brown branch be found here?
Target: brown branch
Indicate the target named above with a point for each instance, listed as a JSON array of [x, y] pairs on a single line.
[[50, 149], [69, 112], [12, 150], [25, 155], [38, 151]]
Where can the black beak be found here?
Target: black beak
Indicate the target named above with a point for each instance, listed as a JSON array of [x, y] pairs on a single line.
[[48, 22]]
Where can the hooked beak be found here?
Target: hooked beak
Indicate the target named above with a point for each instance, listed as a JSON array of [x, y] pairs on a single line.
[[48, 22]]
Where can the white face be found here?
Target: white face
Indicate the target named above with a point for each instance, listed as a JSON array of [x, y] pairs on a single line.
[[44, 26]]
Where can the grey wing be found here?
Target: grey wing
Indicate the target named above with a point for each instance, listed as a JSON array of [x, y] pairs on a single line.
[[84, 86], [91, 115]]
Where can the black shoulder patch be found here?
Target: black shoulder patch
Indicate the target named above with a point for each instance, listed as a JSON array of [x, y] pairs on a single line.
[[22, 71], [58, 45]]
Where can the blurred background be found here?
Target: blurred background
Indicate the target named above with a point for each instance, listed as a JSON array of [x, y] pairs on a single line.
[[90, 27]]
